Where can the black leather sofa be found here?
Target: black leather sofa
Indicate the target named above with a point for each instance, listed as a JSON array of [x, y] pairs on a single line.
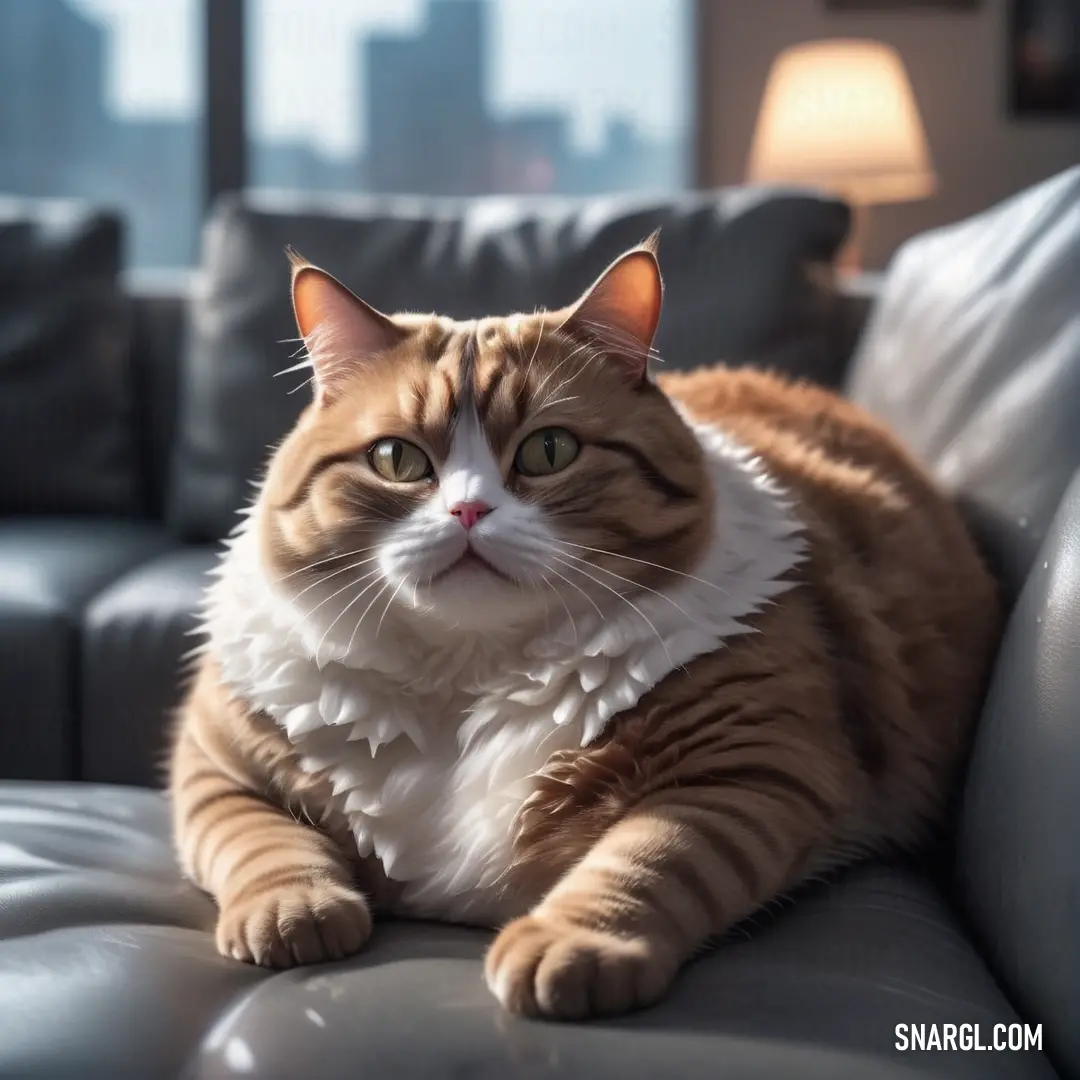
[[107, 964]]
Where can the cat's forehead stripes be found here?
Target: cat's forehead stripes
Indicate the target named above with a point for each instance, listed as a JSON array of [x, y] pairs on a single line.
[[474, 367], [470, 346], [430, 396]]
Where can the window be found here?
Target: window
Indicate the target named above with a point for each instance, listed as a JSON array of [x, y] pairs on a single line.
[[462, 97], [100, 99], [103, 100]]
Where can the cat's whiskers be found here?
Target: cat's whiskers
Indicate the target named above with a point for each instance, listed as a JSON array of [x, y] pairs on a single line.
[[549, 400], [389, 602], [303, 364], [644, 562], [546, 403], [536, 347], [559, 366], [337, 618], [537, 586], [322, 562], [574, 585], [528, 579], [626, 600], [400, 502], [363, 615], [635, 585], [622, 342], [416, 398], [334, 573], [337, 592], [297, 389], [538, 583], [595, 355], [566, 608], [557, 401], [302, 352], [326, 599]]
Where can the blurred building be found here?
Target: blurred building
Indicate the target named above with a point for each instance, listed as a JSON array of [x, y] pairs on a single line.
[[52, 115], [431, 128], [427, 123], [57, 137]]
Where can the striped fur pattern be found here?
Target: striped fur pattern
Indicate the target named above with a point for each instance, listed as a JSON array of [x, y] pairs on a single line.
[[515, 636]]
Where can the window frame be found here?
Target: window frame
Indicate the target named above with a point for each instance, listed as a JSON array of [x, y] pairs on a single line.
[[224, 94], [225, 156]]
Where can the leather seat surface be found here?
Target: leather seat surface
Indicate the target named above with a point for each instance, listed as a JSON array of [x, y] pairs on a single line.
[[108, 971]]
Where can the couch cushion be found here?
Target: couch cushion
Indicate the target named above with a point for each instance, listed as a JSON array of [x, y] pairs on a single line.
[[159, 303], [49, 570], [65, 384], [135, 635], [97, 928], [973, 355], [735, 263]]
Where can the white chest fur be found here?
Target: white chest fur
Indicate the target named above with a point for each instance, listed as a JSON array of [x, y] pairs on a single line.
[[431, 746]]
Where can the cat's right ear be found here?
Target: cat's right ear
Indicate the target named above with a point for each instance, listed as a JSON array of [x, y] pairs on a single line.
[[339, 331]]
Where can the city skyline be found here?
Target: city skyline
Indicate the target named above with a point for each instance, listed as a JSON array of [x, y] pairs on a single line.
[[307, 82], [424, 103]]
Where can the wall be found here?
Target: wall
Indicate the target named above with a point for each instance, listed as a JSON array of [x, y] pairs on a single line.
[[956, 62]]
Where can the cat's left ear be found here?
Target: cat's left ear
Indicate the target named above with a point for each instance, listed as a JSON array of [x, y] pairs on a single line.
[[339, 330], [621, 310]]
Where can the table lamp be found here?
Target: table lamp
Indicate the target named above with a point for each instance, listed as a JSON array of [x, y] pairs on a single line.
[[840, 115]]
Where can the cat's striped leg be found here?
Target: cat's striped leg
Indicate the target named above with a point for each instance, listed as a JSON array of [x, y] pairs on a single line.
[[284, 889], [678, 870]]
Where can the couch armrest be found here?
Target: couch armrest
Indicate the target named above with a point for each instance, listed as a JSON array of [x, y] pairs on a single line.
[[49, 570], [1019, 866]]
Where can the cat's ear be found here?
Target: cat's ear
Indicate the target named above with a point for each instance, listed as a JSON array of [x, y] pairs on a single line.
[[621, 310], [339, 330]]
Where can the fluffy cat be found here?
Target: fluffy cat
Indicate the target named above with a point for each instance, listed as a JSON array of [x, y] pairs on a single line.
[[514, 635]]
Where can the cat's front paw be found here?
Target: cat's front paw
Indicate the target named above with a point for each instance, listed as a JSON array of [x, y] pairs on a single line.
[[294, 924], [540, 966]]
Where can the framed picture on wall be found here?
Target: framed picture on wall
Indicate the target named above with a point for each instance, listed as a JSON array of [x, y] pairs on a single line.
[[1043, 60], [902, 5]]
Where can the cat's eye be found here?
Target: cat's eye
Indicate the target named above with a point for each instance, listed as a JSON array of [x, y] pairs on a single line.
[[400, 461], [545, 452]]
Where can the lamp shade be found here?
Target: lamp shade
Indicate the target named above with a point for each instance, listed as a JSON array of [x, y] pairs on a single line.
[[841, 115]]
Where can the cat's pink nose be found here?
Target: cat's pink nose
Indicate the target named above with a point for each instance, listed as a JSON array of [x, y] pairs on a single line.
[[469, 513]]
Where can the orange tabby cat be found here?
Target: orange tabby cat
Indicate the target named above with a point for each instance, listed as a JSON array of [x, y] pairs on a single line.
[[515, 636]]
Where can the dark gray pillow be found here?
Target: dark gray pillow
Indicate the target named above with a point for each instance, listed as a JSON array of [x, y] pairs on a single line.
[[973, 355], [735, 263], [66, 439]]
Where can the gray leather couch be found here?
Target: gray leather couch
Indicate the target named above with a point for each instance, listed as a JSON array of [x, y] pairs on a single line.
[[107, 964]]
